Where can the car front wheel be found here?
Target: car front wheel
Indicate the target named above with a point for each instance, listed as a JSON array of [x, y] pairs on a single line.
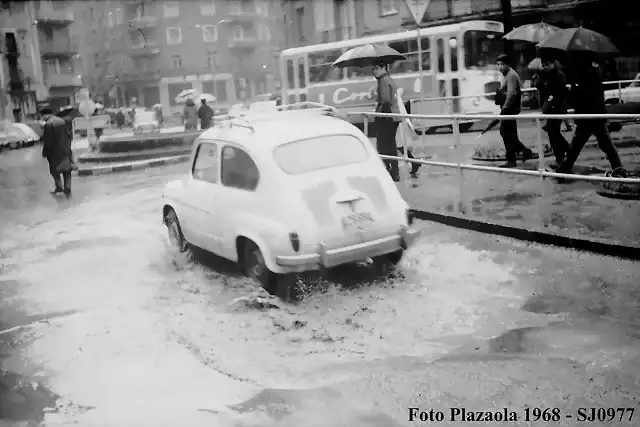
[[255, 267]]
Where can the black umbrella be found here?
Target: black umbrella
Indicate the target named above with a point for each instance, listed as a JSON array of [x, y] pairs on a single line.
[[368, 54], [579, 40]]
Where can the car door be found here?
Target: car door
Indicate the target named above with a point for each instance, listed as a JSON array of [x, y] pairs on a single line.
[[204, 197], [239, 179]]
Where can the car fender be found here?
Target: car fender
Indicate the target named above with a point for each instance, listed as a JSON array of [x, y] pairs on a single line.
[[268, 231]]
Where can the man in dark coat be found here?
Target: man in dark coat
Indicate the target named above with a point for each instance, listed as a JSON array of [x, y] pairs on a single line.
[[509, 98], [205, 114], [56, 148], [588, 98], [386, 127], [553, 96]]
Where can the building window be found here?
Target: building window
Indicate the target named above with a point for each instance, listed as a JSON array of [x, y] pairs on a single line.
[[220, 90], [171, 9], [211, 59], [176, 61], [387, 7], [262, 10], [209, 33], [238, 32], [264, 32], [119, 16], [174, 35], [110, 21], [207, 8]]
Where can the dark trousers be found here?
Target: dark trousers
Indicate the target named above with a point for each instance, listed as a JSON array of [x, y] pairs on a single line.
[[559, 144], [386, 129], [584, 130], [61, 179], [414, 166], [512, 143]]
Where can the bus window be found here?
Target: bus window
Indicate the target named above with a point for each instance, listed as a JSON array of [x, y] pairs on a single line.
[[321, 67], [409, 48], [425, 44], [290, 79], [302, 81], [482, 48], [441, 55], [453, 47]]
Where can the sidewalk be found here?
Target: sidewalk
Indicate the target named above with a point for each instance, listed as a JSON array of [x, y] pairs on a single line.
[[573, 209]]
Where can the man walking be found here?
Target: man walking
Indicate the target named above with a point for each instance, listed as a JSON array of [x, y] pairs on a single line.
[[56, 148], [553, 95], [205, 113], [509, 98], [386, 127], [589, 99]]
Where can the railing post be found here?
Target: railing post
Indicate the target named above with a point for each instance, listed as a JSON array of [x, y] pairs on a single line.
[[619, 92], [542, 203], [462, 193], [366, 126]]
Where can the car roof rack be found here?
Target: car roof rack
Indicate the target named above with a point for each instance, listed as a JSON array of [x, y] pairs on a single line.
[[246, 120]]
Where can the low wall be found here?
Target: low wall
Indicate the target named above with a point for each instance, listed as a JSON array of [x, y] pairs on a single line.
[[116, 144]]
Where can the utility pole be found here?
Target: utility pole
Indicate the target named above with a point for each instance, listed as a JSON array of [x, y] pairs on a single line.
[[507, 19]]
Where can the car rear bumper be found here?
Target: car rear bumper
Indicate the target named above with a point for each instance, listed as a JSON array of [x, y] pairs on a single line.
[[332, 257]]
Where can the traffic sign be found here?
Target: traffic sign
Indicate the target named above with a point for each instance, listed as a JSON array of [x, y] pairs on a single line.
[[418, 8]]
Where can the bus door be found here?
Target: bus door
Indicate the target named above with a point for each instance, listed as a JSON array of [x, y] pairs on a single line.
[[297, 80], [447, 48]]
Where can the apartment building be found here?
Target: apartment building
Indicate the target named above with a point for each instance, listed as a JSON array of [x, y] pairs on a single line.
[[38, 61], [153, 50]]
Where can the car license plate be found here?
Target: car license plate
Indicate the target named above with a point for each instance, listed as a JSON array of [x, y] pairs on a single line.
[[355, 219]]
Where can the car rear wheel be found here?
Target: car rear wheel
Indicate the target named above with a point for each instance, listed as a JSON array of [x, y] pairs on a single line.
[[255, 267], [175, 231]]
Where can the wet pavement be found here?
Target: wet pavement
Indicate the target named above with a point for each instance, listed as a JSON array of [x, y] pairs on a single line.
[[102, 325]]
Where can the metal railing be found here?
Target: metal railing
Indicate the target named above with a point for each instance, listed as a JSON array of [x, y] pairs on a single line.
[[541, 173]]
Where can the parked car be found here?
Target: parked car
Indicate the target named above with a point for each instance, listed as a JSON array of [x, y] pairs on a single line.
[[287, 192], [18, 135], [628, 94], [145, 121]]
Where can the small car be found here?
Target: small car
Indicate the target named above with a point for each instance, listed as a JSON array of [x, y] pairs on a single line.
[[145, 121], [631, 93], [287, 192]]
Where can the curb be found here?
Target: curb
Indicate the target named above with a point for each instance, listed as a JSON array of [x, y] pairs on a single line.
[[601, 248], [133, 166], [91, 158]]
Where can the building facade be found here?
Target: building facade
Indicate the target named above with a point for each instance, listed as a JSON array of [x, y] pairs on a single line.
[[153, 50], [39, 57]]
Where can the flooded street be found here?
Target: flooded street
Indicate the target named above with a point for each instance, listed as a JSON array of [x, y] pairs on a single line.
[[102, 325]]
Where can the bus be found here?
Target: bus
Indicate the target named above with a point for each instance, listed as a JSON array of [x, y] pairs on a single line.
[[454, 60]]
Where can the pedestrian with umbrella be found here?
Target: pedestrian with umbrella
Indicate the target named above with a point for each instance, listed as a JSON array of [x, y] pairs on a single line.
[[380, 56], [588, 93], [56, 148]]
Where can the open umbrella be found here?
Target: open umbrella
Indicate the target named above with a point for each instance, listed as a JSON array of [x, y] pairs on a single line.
[[535, 65], [207, 97], [533, 33], [186, 94], [579, 40], [368, 54]]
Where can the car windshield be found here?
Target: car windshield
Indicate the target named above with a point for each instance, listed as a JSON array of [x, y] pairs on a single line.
[[323, 152], [482, 48]]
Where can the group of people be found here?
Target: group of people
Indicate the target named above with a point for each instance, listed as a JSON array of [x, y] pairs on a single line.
[[588, 97], [191, 115], [551, 82]]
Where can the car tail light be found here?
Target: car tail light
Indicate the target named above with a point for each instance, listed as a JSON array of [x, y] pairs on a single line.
[[295, 241], [409, 217]]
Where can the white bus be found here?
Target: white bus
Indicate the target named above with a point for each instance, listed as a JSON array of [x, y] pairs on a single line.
[[457, 60]]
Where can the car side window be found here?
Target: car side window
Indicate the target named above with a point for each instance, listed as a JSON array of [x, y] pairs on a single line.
[[238, 169], [205, 166]]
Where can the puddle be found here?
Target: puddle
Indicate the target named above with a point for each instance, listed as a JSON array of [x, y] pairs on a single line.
[[23, 399], [86, 244]]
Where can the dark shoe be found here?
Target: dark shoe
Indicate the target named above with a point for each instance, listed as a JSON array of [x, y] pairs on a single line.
[[57, 190], [67, 191], [619, 173], [414, 174], [527, 154], [508, 165]]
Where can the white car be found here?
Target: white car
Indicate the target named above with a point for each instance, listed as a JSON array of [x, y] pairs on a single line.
[[630, 93], [287, 192], [145, 121]]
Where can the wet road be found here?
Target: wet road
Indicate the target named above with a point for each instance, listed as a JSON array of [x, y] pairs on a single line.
[[100, 325]]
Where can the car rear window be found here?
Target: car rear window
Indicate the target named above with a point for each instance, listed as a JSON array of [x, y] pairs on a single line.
[[308, 155]]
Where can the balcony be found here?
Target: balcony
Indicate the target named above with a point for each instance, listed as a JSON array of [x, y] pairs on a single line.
[[243, 42], [141, 76], [58, 48], [64, 80], [148, 49], [141, 22], [54, 13], [241, 14]]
